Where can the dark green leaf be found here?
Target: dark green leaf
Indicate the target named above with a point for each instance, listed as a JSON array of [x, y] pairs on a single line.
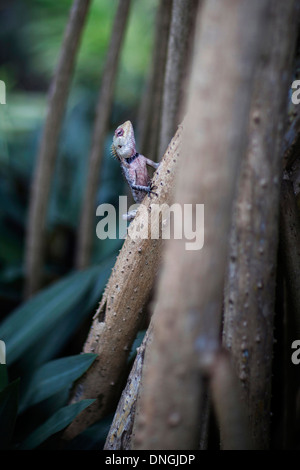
[[56, 423], [53, 377], [50, 344], [40, 315], [136, 344]]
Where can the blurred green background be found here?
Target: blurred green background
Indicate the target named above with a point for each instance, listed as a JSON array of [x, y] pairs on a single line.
[[31, 33], [52, 326]]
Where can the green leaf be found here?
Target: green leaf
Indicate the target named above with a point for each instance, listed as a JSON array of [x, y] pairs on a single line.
[[136, 344], [53, 377], [39, 316], [56, 423], [8, 412], [50, 344]]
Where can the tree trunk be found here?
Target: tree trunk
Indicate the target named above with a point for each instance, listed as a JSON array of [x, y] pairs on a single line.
[[250, 289], [119, 436], [177, 67], [88, 211], [118, 318], [34, 254], [229, 408], [150, 118], [189, 298]]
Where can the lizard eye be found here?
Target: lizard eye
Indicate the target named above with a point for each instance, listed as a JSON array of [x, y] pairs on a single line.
[[119, 132]]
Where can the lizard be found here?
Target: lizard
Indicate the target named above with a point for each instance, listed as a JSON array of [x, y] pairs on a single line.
[[133, 164]]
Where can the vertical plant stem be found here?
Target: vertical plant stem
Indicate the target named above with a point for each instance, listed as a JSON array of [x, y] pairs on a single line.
[[119, 436], [150, 119], [87, 221], [34, 254], [250, 287], [187, 316], [179, 52], [230, 410], [118, 317]]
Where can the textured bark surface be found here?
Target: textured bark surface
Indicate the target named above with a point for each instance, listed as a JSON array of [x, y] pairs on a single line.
[[34, 254], [118, 318], [88, 211], [119, 436], [188, 311], [177, 67], [229, 408], [250, 289]]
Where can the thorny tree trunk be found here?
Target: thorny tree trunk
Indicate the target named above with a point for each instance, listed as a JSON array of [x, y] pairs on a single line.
[[119, 317], [250, 289], [120, 433], [178, 58], [228, 406], [119, 436], [87, 222], [34, 254], [150, 116], [188, 311]]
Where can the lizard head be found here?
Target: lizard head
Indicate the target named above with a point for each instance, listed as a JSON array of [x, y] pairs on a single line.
[[123, 145]]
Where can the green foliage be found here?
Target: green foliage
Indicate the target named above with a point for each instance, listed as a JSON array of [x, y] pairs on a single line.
[[44, 335], [34, 333], [54, 376], [43, 33], [56, 423], [40, 315]]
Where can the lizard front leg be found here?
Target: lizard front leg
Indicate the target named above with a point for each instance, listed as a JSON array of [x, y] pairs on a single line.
[[152, 163], [146, 189]]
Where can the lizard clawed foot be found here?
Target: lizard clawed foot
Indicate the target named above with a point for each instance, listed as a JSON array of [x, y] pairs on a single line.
[[150, 190]]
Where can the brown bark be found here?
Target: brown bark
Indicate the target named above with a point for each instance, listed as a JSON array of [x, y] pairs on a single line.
[[250, 289], [34, 254], [189, 298], [88, 211], [120, 433], [150, 118], [118, 318], [177, 66], [230, 410], [119, 436]]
